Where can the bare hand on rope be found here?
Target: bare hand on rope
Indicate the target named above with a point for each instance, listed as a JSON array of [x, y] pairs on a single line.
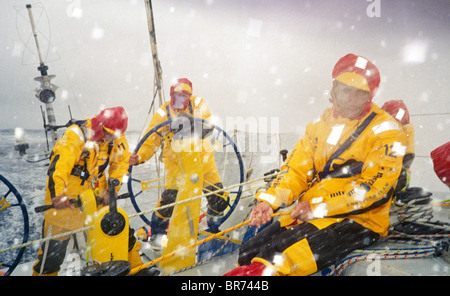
[[261, 214], [302, 211]]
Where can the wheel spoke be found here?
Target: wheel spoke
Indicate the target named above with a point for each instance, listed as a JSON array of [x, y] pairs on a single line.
[[5, 204], [219, 143]]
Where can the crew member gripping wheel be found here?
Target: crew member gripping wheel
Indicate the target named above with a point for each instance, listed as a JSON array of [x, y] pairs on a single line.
[[182, 107]]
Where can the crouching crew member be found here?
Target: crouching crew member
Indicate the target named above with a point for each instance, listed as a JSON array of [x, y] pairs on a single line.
[[343, 172], [78, 163]]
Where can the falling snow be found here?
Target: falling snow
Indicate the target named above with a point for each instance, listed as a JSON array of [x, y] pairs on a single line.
[[248, 60]]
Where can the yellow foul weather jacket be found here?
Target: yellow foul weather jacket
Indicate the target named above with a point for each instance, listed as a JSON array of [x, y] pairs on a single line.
[[356, 184], [197, 108], [114, 157], [74, 167]]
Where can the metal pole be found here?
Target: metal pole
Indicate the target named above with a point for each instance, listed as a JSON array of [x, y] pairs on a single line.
[[33, 27], [156, 63], [45, 81]]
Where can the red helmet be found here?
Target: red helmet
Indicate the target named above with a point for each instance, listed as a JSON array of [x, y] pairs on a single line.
[[181, 85], [441, 162], [358, 72], [114, 120], [398, 110]]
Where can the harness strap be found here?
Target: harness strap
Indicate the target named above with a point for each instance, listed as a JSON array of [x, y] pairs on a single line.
[[82, 125], [81, 170], [326, 170], [102, 168]]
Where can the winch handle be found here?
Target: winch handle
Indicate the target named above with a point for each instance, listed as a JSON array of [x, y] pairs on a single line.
[[75, 201], [112, 184]]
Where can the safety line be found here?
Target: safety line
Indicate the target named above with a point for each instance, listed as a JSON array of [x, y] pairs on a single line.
[[69, 233]]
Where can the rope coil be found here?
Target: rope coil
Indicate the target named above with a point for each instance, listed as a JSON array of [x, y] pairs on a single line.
[[415, 210], [367, 255], [415, 205]]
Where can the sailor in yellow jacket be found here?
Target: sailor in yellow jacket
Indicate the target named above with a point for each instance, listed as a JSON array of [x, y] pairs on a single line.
[[182, 103], [398, 110], [78, 162], [342, 172]]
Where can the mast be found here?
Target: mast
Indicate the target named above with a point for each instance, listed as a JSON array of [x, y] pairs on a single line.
[[156, 64], [158, 82], [46, 92]]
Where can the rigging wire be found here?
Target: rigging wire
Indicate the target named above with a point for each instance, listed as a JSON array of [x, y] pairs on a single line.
[[430, 114]]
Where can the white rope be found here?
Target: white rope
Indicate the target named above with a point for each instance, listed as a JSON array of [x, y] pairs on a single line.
[[417, 210], [69, 233], [383, 255], [44, 256]]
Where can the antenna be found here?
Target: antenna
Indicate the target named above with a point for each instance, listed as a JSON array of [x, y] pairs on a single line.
[[46, 92]]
